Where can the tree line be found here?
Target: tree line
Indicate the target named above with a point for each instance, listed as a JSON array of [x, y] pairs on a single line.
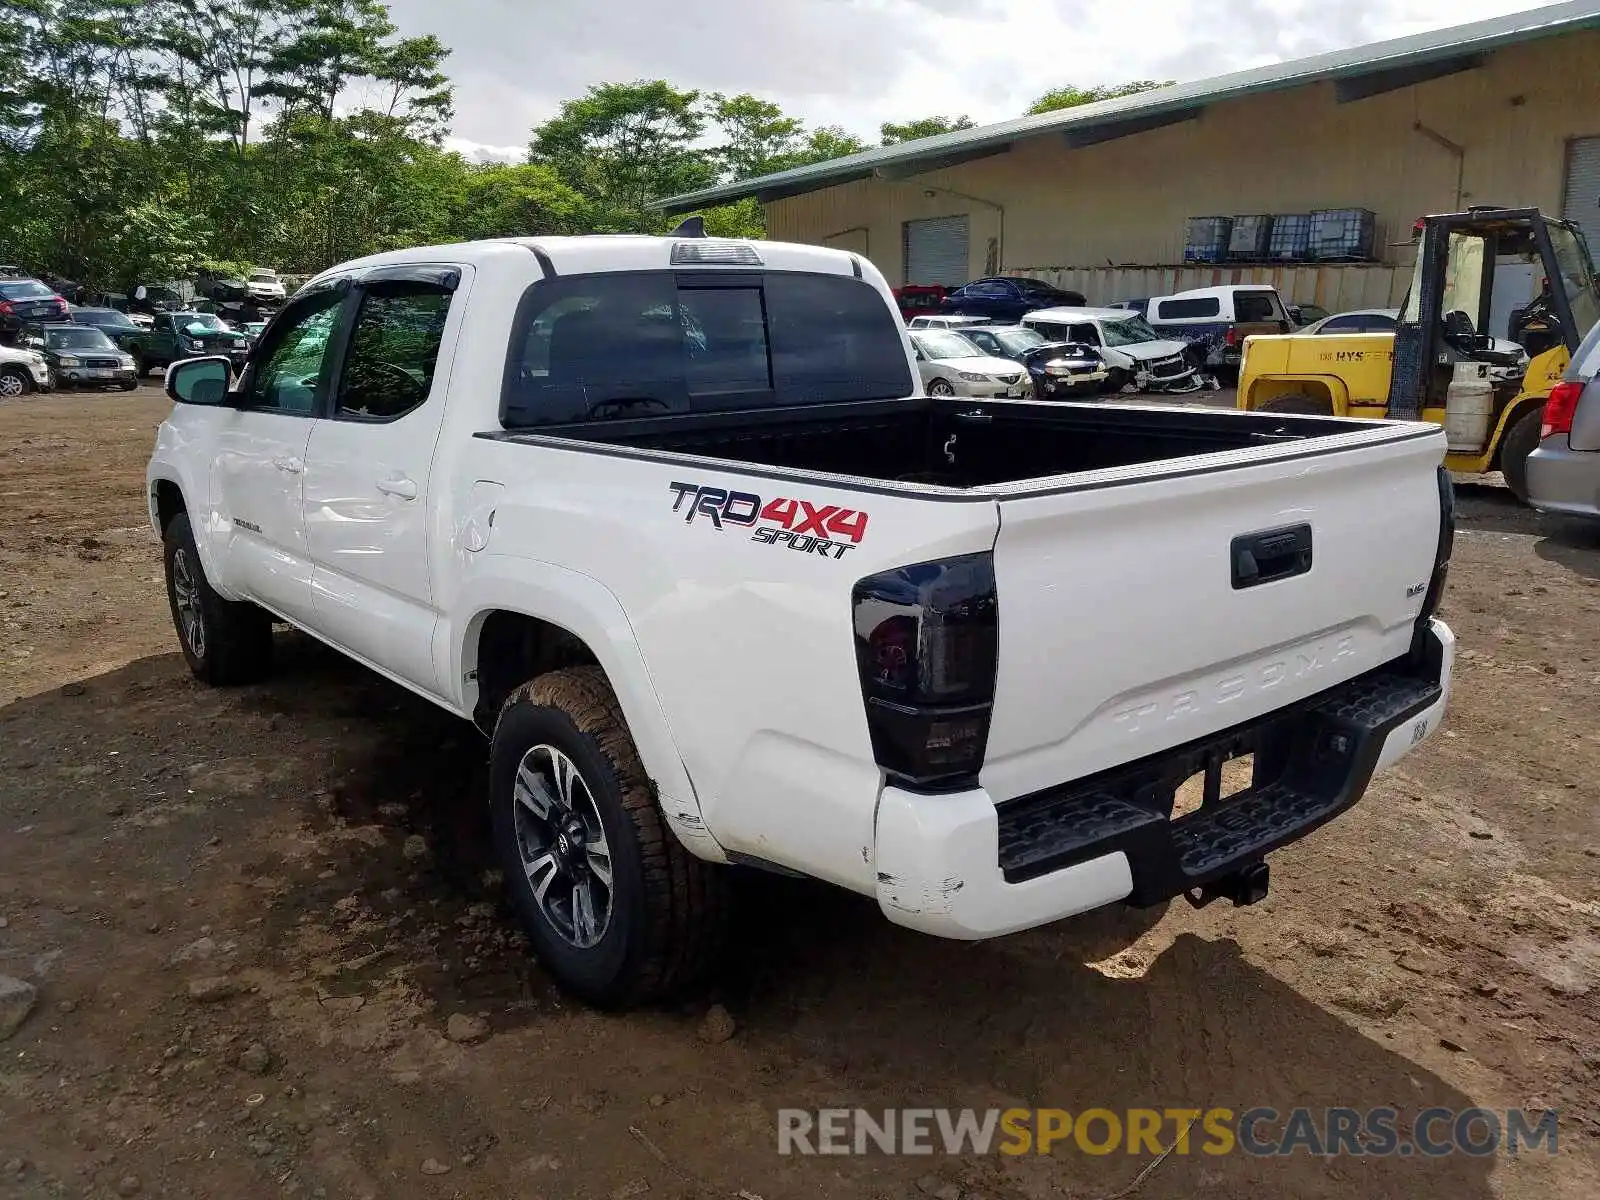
[[143, 140]]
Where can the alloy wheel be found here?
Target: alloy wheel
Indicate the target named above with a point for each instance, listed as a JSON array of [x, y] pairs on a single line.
[[563, 847], [186, 597]]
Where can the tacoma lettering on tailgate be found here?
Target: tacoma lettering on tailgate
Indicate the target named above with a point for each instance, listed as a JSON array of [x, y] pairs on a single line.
[[794, 524], [1214, 693]]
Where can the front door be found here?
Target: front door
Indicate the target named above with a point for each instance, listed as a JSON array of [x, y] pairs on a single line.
[[260, 459], [367, 473]]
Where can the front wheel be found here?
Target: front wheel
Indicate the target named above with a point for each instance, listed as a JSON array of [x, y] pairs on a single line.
[[1116, 379], [1521, 440], [616, 909], [941, 387], [14, 382], [223, 641]]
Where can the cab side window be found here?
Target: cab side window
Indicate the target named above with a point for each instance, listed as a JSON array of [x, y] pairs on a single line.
[[288, 375], [394, 349]]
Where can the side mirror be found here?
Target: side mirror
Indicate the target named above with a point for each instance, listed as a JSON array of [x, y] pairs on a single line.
[[199, 381]]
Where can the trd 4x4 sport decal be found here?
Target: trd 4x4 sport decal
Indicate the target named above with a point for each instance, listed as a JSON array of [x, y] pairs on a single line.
[[794, 524]]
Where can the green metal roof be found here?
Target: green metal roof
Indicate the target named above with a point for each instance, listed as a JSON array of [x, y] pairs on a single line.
[[1358, 72]]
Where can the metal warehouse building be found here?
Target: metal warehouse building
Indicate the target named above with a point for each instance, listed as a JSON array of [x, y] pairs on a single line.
[[1097, 198]]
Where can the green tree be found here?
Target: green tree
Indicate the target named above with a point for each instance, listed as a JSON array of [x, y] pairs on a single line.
[[1070, 96], [757, 138], [910, 131], [621, 145]]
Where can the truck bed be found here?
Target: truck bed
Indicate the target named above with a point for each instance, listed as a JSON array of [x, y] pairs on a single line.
[[954, 444]]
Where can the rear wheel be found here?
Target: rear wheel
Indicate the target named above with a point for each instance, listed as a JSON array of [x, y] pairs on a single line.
[[223, 641], [1521, 440], [14, 382], [1299, 402], [941, 387], [618, 911]]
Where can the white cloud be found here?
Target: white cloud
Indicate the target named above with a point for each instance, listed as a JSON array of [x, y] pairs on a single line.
[[858, 63], [478, 152]]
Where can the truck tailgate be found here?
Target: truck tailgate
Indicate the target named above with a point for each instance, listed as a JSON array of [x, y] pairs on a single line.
[[1140, 612]]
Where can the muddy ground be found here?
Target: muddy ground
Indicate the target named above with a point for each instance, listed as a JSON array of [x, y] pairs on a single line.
[[317, 846]]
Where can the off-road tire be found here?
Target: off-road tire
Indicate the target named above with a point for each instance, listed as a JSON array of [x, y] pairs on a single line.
[[669, 910], [236, 646], [1299, 402], [1521, 440]]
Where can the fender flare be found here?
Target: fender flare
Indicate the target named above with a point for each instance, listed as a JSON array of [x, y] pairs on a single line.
[[1509, 416], [1281, 385], [162, 471], [590, 611]]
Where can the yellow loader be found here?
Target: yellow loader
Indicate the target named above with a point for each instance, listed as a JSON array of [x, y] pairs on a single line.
[[1440, 363]]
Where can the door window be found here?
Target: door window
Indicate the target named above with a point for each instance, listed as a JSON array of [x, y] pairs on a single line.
[[394, 348], [1350, 324], [1184, 310], [288, 376]]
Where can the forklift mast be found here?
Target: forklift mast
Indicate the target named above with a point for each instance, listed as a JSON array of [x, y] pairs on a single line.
[[1420, 337]]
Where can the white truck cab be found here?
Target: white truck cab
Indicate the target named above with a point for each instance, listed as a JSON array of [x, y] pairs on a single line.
[[671, 521]]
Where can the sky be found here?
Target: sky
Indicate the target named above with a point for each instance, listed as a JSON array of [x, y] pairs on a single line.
[[858, 63]]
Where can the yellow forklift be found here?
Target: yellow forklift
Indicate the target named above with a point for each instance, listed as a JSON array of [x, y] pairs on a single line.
[[1441, 363]]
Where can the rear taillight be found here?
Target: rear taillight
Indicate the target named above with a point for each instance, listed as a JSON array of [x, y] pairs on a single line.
[[1560, 407], [1441, 562], [1232, 337], [5, 308], [926, 647]]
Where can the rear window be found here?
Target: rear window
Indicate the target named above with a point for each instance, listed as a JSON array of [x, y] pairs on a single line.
[[27, 289], [645, 343], [1256, 306], [1181, 310]]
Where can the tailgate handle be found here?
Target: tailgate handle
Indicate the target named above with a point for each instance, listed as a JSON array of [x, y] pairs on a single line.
[[1274, 554]]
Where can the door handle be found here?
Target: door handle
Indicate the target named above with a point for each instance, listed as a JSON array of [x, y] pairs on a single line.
[[405, 488], [289, 464]]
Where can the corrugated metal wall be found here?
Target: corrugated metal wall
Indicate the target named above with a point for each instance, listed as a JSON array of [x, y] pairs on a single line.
[[1124, 202], [1335, 288]]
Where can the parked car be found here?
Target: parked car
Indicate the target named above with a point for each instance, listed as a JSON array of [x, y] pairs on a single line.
[[178, 335], [1006, 298], [915, 298], [952, 365], [265, 287], [81, 356], [1056, 369], [1216, 320], [27, 301], [946, 321], [994, 637], [1564, 471], [1135, 355], [1306, 314], [23, 369], [115, 325], [1384, 320]]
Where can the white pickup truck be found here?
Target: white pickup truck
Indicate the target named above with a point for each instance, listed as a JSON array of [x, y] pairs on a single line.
[[670, 520]]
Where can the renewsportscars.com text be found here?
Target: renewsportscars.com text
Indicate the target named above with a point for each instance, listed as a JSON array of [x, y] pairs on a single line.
[[1374, 1132]]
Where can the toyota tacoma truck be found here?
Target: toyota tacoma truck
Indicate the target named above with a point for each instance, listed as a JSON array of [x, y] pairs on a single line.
[[671, 521]]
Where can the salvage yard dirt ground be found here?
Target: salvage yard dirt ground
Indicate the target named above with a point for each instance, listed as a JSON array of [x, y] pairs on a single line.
[[250, 916]]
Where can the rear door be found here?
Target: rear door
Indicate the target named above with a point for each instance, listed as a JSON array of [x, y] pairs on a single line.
[[1124, 629], [367, 470]]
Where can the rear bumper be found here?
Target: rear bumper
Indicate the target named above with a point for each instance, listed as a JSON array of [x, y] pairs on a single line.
[[959, 866], [1561, 479]]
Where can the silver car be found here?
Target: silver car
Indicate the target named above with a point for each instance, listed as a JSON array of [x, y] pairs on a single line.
[[1564, 472]]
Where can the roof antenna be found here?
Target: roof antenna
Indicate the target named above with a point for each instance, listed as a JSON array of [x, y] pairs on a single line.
[[692, 227]]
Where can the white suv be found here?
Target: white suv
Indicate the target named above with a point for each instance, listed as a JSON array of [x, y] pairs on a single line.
[[22, 371]]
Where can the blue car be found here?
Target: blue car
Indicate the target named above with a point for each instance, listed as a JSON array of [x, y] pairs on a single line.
[[1004, 299]]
